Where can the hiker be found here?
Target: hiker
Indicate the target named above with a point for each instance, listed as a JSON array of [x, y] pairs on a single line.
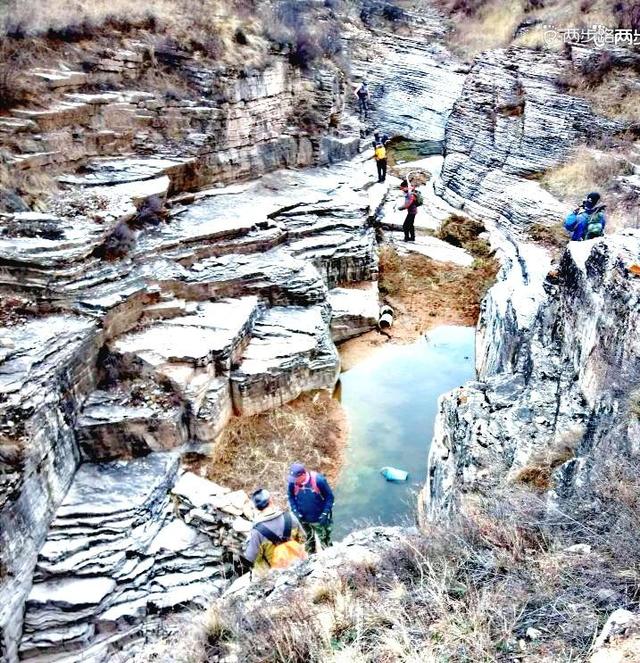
[[362, 92], [311, 500], [276, 538], [380, 154], [588, 220], [410, 204]]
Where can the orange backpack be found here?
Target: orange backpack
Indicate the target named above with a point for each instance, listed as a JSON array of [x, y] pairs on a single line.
[[286, 551]]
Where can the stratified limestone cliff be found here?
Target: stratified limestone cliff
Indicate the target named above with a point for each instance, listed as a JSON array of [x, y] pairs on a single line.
[[222, 307], [511, 122], [556, 375], [156, 313]]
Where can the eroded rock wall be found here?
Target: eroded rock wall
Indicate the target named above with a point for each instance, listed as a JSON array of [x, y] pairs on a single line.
[[511, 122], [565, 383]]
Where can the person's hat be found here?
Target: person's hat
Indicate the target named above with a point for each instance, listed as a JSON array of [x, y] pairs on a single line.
[[297, 469], [592, 199], [261, 498]]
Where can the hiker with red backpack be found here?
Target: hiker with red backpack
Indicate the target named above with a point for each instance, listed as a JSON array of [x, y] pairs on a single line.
[[311, 500], [412, 200], [277, 537]]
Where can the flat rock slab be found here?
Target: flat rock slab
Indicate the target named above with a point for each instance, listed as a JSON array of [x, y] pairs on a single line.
[[275, 276], [354, 311], [291, 351], [208, 335], [107, 172], [433, 248]]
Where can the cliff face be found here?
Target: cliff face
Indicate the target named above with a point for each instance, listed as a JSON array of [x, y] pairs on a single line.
[[556, 383], [511, 122], [156, 313], [140, 317]]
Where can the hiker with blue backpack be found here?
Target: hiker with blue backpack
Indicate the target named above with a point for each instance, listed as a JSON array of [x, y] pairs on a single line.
[[311, 500], [276, 537], [587, 221]]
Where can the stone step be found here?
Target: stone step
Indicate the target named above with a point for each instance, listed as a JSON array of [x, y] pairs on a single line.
[[290, 352], [213, 334], [354, 311], [56, 79], [101, 580], [62, 114]]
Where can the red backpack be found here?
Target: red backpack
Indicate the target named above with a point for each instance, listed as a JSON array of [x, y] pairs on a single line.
[[312, 480]]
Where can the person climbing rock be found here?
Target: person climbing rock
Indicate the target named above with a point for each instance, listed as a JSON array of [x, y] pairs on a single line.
[[311, 500], [277, 537], [362, 93], [411, 205], [380, 154], [588, 220]]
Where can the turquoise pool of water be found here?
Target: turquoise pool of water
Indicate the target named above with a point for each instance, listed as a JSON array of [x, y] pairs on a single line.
[[391, 402]]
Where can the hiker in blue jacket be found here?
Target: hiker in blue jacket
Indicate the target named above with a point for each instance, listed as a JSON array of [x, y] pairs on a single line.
[[588, 220], [311, 500]]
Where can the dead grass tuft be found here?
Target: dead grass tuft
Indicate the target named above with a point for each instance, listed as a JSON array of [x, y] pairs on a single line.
[[258, 450], [552, 237], [467, 590], [586, 170], [538, 472], [465, 232]]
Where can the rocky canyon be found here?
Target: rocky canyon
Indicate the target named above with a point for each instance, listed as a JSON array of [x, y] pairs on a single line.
[[190, 230]]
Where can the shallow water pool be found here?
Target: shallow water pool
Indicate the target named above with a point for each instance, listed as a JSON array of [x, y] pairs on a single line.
[[391, 401]]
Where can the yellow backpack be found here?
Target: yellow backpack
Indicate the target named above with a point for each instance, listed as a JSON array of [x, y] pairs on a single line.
[[380, 152], [286, 551], [285, 554]]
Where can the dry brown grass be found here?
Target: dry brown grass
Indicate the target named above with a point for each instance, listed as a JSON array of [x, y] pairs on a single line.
[[585, 170], [537, 474], [427, 289], [258, 450], [211, 27], [467, 590], [486, 24], [552, 237]]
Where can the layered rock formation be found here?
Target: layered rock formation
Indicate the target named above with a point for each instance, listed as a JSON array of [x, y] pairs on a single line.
[[554, 378], [511, 122], [217, 307], [236, 123], [118, 554]]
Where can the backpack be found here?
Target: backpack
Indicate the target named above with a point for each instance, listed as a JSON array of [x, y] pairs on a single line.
[[418, 198], [594, 225], [286, 551], [313, 481], [380, 152]]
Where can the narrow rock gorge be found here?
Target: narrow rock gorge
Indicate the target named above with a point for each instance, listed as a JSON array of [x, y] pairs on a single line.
[[200, 256]]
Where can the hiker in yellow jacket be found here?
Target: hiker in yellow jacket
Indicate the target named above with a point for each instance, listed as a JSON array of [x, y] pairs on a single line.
[[276, 538], [380, 154]]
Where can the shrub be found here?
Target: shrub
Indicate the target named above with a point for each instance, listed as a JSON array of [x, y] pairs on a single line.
[[627, 14], [594, 69]]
